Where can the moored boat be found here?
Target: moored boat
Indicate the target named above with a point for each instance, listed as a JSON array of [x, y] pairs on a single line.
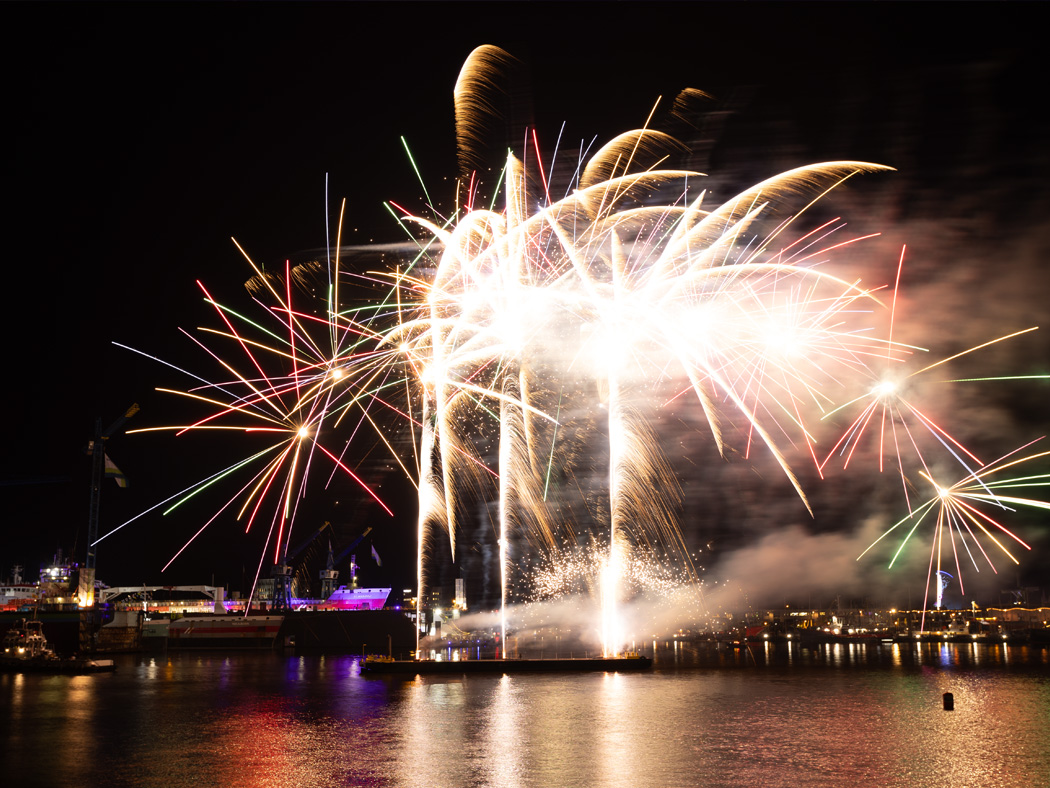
[[25, 650]]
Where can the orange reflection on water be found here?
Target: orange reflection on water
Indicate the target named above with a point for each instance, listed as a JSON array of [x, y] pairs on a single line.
[[504, 733]]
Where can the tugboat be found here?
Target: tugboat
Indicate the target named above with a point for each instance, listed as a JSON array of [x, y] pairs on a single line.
[[25, 650]]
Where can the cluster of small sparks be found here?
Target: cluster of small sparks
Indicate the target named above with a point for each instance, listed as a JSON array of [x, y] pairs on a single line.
[[571, 571], [620, 297]]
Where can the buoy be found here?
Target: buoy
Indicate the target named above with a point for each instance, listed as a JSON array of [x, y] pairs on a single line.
[[949, 702]]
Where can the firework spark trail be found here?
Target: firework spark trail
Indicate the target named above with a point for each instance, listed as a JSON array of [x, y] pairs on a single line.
[[960, 516], [462, 336]]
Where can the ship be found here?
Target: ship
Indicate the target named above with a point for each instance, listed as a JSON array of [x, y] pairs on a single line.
[[51, 591], [354, 598], [310, 625], [213, 631], [17, 596]]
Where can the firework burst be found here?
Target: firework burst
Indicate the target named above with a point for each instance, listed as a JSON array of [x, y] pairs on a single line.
[[604, 291], [531, 347], [888, 409], [963, 516]]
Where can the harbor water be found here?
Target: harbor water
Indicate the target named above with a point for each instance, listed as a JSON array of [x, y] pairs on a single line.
[[785, 715]]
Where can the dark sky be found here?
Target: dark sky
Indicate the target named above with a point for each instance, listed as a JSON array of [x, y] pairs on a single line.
[[140, 138]]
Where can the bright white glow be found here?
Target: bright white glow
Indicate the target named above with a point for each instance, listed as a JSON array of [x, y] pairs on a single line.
[[885, 388]]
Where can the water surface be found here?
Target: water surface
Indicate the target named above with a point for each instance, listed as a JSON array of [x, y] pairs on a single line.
[[772, 716]]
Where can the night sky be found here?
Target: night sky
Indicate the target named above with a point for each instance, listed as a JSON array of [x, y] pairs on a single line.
[[140, 138]]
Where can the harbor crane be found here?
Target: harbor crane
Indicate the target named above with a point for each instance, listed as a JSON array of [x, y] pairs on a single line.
[[97, 450]]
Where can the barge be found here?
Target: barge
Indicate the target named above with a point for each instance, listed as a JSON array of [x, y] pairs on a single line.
[[628, 662]]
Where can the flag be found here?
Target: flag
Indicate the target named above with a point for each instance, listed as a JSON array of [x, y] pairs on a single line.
[[113, 472], [375, 555]]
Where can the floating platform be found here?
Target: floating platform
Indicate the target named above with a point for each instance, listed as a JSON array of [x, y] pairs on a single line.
[[381, 665]]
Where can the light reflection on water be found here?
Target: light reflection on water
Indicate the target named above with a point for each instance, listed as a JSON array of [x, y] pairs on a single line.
[[831, 715]]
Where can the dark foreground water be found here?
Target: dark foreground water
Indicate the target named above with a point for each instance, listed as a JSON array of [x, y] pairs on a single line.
[[828, 716]]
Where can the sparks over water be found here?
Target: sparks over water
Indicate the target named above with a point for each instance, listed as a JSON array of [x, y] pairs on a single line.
[[558, 328]]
